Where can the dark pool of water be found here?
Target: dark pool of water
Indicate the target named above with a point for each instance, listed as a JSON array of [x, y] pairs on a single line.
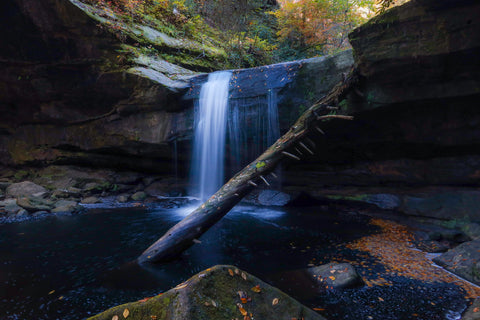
[[71, 267]]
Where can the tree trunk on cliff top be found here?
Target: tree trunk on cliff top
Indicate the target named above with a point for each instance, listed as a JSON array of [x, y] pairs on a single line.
[[183, 235]]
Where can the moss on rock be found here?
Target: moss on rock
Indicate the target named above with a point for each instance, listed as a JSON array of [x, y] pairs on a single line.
[[220, 292]]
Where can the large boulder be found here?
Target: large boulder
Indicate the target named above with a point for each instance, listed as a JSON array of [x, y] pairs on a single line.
[[220, 292], [24, 189], [463, 260]]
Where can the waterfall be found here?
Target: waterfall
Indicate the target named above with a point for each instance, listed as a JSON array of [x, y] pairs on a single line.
[[210, 134], [253, 125], [273, 130]]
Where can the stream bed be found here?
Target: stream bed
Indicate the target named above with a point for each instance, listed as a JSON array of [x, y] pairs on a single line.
[[74, 266]]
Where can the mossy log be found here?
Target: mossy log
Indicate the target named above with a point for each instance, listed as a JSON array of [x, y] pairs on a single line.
[[184, 234]]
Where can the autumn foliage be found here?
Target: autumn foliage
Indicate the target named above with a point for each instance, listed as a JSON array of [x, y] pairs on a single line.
[[257, 32]]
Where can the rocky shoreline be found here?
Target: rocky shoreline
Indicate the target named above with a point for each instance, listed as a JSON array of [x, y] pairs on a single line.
[[35, 193]]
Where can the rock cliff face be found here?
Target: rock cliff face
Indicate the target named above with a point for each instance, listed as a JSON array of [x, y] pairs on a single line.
[[416, 114], [71, 93], [81, 86]]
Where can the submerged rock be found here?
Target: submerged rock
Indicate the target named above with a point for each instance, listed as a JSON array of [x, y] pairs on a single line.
[[221, 292], [337, 275], [268, 198], [463, 260]]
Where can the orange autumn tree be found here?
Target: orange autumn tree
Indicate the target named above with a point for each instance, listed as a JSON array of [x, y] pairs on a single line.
[[315, 27]]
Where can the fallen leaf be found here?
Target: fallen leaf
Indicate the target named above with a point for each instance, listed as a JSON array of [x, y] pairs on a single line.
[[243, 296], [214, 303], [242, 311], [237, 271], [380, 299], [274, 301], [51, 292], [126, 313], [244, 276], [196, 241], [476, 309], [332, 278], [60, 298], [256, 289], [230, 271], [115, 317], [153, 317]]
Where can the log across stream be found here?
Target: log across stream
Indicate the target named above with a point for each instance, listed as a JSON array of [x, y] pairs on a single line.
[[185, 233]]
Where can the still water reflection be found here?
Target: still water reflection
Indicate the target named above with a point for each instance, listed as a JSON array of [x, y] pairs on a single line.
[[70, 267]]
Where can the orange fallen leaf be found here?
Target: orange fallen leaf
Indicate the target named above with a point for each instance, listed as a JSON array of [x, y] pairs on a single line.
[[319, 309], [230, 271], [256, 289], [332, 278], [476, 309], [242, 311], [126, 313]]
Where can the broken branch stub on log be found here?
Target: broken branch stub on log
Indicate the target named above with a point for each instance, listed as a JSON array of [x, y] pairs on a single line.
[[181, 236]]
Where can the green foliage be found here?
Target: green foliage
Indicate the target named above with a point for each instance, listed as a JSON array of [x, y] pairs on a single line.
[[251, 32]]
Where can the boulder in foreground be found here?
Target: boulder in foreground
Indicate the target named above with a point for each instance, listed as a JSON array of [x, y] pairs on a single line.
[[221, 292]]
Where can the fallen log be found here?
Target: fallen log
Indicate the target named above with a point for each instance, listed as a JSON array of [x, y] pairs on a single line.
[[183, 235]]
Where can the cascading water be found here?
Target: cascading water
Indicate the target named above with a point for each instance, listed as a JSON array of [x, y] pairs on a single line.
[[252, 127], [273, 130], [210, 135]]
